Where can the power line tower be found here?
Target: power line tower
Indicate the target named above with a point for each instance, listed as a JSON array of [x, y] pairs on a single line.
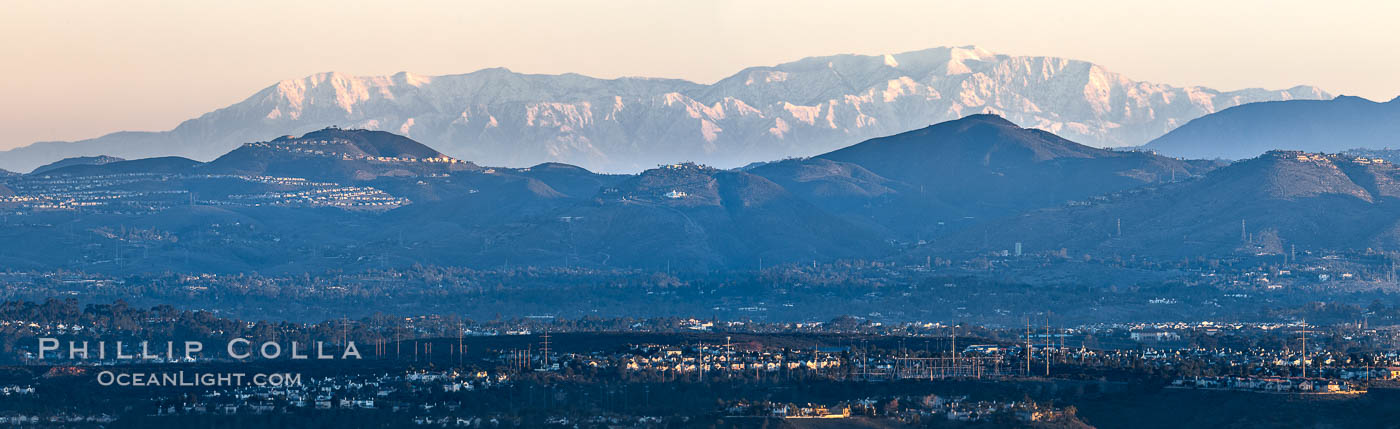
[[1305, 348], [1391, 274], [544, 350], [1028, 346], [1048, 341], [701, 362], [728, 358]]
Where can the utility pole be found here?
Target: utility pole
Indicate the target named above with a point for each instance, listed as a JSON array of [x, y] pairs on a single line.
[[728, 356], [545, 350], [1305, 348], [1392, 268], [1028, 346], [1047, 344], [955, 342], [704, 362]]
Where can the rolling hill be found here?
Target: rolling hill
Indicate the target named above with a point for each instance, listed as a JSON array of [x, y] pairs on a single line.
[[696, 218], [159, 165], [1262, 205], [337, 155], [82, 160], [955, 174], [387, 199]]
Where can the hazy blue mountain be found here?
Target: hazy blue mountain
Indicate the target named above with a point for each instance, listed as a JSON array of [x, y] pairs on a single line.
[[388, 199], [81, 160], [1249, 130], [159, 165], [801, 108]]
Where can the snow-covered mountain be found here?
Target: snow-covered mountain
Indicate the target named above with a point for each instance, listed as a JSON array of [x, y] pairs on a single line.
[[806, 107]]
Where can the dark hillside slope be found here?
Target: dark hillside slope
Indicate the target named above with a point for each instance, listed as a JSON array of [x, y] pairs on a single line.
[[1263, 205]]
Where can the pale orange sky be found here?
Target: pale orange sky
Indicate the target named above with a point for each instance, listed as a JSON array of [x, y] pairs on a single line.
[[79, 69]]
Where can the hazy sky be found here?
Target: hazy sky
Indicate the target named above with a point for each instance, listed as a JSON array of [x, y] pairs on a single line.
[[78, 69]]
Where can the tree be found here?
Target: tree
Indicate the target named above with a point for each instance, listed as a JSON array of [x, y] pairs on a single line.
[[892, 407]]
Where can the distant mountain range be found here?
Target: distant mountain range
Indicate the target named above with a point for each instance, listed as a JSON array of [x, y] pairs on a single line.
[[1250, 130], [806, 107], [965, 187], [376, 196]]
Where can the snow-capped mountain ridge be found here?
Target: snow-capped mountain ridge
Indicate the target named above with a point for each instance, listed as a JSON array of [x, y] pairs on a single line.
[[813, 105]]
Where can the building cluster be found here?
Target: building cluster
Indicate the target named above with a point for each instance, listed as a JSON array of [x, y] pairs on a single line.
[[105, 194], [55, 420], [963, 410], [1266, 384], [344, 150], [348, 197], [126, 193], [904, 409], [390, 392], [16, 390], [722, 359]]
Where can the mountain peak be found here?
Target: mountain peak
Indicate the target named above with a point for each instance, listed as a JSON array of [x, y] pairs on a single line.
[[407, 78], [980, 139], [1353, 99], [971, 52], [985, 118], [890, 61]]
